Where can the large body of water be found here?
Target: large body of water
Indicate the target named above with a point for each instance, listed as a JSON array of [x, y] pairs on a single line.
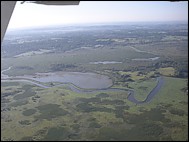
[[82, 80]]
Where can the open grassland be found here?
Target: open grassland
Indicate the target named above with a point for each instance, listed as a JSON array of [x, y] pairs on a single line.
[[169, 71], [176, 49], [143, 88]]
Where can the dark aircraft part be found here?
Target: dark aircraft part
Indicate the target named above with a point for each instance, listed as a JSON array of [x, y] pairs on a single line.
[[55, 2], [7, 8]]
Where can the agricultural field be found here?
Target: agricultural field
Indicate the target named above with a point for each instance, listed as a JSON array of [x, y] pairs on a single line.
[[51, 86]]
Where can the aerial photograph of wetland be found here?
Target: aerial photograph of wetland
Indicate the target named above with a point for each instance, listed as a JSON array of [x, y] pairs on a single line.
[[121, 81]]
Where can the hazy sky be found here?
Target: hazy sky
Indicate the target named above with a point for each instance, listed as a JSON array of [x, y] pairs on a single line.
[[29, 14]]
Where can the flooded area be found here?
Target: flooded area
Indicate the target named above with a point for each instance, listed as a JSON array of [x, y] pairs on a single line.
[[145, 59], [81, 80], [85, 82], [106, 62]]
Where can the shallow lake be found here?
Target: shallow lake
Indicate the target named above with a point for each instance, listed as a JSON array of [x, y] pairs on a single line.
[[82, 80], [106, 62], [145, 59]]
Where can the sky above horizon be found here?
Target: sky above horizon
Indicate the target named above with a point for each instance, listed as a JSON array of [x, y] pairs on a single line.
[[34, 15]]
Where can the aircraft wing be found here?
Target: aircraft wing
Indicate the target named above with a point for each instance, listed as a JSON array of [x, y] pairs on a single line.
[[57, 2], [7, 8]]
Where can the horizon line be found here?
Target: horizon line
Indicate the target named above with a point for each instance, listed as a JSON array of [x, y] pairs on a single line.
[[94, 23]]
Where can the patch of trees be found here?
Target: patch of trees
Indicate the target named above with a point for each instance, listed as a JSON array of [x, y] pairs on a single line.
[[152, 129], [126, 78], [9, 93], [19, 103], [102, 95], [111, 102], [4, 100], [180, 67], [50, 111], [143, 88], [182, 73], [119, 111], [60, 67], [176, 111], [86, 107], [29, 112], [25, 122], [75, 127], [35, 98], [24, 67], [4, 84], [27, 93], [94, 125], [123, 77], [165, 63], [98, 100], [5, 109]]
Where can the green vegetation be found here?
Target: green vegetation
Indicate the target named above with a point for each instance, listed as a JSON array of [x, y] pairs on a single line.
[[169, 71], [29, 112], [56, 134], [24, 122], [143, 88], [50, 111], [27, 92], [4, 84], [144, 132], [19, 103]]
